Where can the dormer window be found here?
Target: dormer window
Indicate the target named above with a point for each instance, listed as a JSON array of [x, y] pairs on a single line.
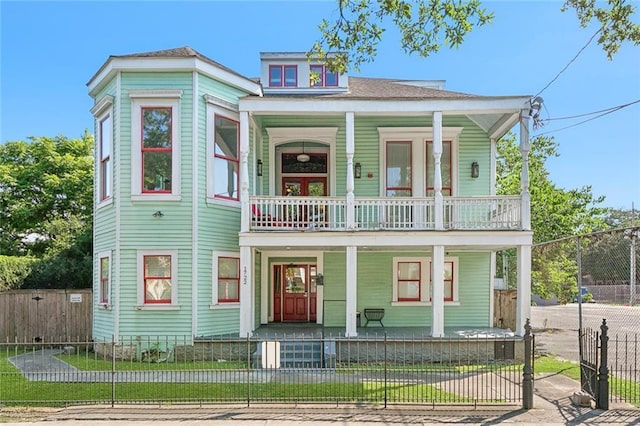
[[321, 76], [283, 76]]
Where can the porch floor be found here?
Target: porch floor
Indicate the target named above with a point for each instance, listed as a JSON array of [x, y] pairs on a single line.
[[307, 330]]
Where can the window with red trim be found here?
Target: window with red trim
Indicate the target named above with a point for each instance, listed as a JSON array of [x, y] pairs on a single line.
[[226, 162], [409, 277], [445, 169], [104, 280], [448, 281], [322, 76], [398, 173], [283, 76], [156, 149], [157, 278], [106, 166], [228, 279]]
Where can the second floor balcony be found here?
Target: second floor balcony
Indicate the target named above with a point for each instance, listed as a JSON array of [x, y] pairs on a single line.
[[279, 213]]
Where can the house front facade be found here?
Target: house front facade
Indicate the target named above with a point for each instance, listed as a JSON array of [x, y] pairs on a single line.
[[224, 203]]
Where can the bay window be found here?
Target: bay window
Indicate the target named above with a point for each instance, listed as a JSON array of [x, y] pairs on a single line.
[[226, 279]]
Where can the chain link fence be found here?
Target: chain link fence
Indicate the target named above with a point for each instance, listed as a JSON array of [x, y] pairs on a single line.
[[608, 264]]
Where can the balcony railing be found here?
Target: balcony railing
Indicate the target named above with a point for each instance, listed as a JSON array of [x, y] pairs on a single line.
[[276, 213]]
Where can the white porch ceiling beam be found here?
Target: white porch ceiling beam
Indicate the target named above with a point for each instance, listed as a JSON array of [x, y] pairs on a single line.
[[480, 240], [268, 106]]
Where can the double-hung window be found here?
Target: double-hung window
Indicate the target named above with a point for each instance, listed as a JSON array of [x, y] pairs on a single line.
[[106, 164], [412, 280], [283, 76], [157, 272], [156, 149], [104, 284], [398, 173], [226, 279], [322, 76], [103, 113], [226, 162], [155, 153]]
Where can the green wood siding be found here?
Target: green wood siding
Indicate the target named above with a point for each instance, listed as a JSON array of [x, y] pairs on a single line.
[[375, 281]]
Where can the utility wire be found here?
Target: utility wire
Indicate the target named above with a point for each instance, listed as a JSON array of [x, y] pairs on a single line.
[[615, 108], [567, 66], [609, 111]]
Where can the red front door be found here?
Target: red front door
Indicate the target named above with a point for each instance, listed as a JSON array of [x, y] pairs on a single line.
[[294, 293]]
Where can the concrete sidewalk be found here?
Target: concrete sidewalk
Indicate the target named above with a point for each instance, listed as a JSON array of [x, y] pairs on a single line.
[[551, 401]]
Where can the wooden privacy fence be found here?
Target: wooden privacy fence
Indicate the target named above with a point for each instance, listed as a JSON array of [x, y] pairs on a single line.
[[504, 308], [32, 315]]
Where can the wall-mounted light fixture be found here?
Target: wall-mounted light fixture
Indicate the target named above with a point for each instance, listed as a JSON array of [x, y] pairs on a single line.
[[259, 168], [475, 169], [158, 213], [357, 171]]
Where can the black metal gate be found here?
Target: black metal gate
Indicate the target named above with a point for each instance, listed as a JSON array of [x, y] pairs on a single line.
[[589, 361], [594, 373]]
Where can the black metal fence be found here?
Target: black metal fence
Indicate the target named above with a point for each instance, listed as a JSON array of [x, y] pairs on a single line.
[[624, 368], [380, 371]]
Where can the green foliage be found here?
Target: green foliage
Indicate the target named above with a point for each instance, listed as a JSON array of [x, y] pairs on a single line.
[[41, 182], [46, 206], [614, 19], [425, 26], [555, 213], [13, 270]]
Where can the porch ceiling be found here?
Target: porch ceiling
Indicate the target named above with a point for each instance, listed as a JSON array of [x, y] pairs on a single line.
[[386, 241]]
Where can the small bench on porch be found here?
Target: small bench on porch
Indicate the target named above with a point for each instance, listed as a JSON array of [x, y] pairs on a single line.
[[374, 314]]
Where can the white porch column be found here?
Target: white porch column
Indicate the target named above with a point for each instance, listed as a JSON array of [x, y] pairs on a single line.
[[523, 309], [246, 292], [350, 151], [244, 172], [352, 291], [437, 292], [437, 172], [525, 146]]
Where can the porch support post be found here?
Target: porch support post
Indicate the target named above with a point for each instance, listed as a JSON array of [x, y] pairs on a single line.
[[525, 146], [350, 151], [246, 292], [437, 172], [523, 310], [351, 329], [437, 293], [244, 172]]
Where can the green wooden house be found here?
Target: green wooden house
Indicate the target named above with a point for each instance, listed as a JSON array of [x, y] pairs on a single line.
[[225, 203]]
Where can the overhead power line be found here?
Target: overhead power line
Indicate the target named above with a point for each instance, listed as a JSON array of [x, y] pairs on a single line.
[[602, 114], [568, 64]]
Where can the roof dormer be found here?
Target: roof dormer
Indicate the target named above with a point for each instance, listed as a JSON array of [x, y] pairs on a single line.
[[291, 73]]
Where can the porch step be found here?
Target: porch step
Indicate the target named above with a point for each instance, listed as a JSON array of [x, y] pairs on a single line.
[[296, 354]]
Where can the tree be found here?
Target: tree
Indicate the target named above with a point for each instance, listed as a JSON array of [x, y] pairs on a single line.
[[555, 214], [41, 182], [426, 26]]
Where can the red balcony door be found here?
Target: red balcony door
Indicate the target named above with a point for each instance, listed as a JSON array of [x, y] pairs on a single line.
[[294, 293], [315, 186]]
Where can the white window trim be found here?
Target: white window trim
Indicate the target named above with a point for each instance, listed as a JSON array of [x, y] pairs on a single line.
[[425, 281], [174, 281], [213, 109], [282, 135], [99, 304], [141, 98], [103, 109], [214, 281], [418, 137]]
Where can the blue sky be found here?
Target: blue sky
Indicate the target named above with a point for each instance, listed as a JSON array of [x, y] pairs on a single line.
[[49, 50]]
